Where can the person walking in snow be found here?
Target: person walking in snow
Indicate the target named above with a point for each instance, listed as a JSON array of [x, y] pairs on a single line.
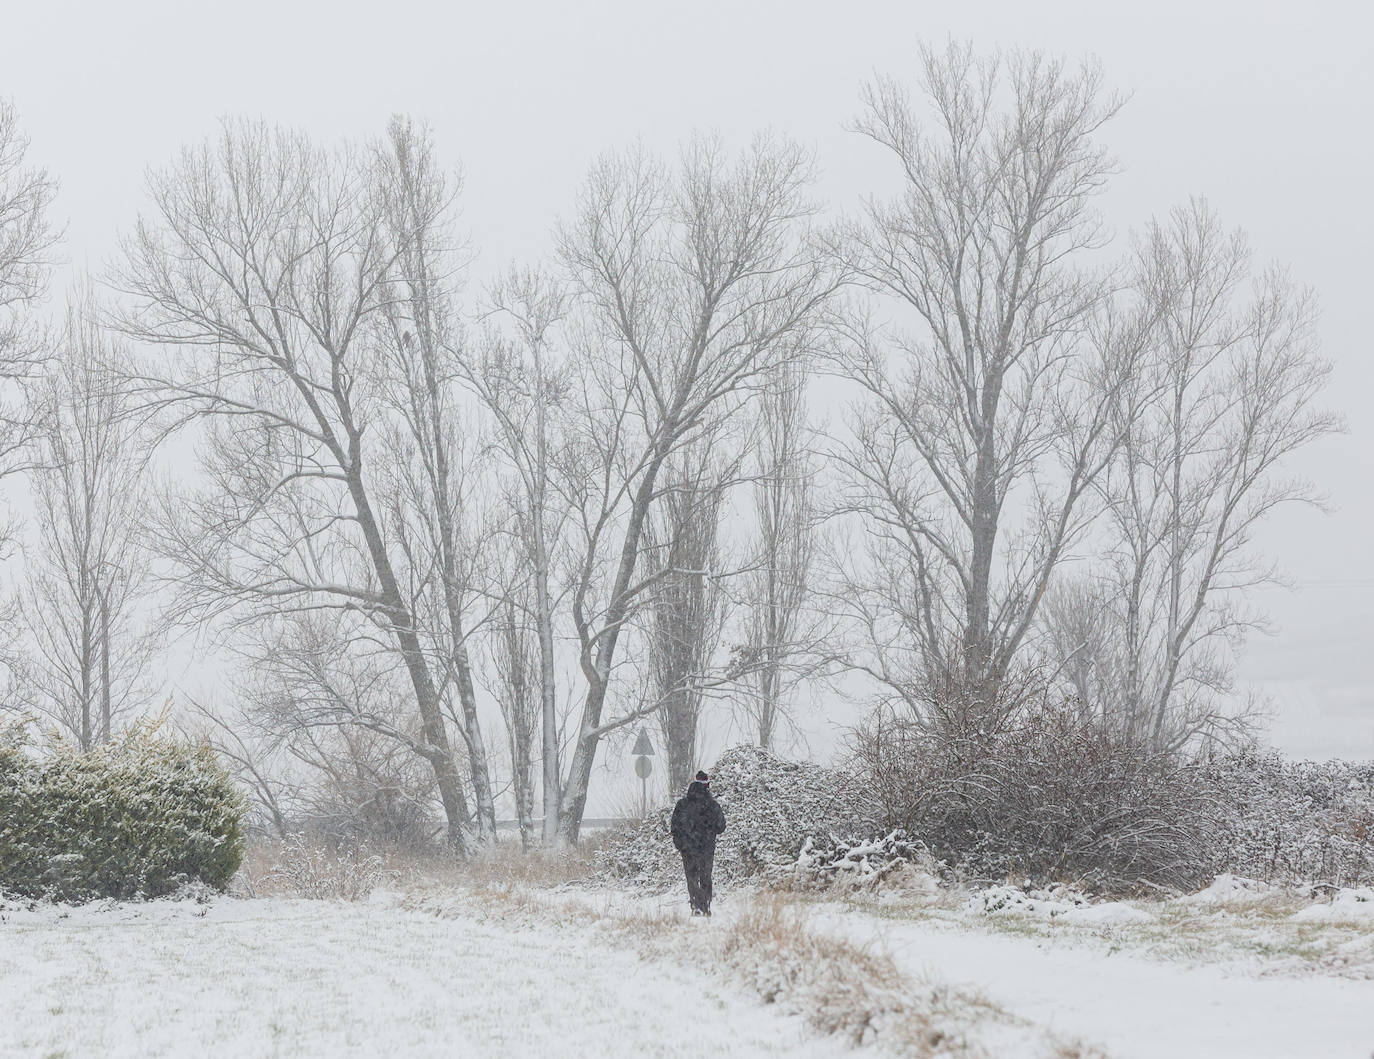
[[697, 820]]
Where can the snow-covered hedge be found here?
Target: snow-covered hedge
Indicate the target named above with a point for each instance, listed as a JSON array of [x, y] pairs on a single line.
[[772, 807], [1092, 814], [1293, 822], [1046, 794], [139, 816]]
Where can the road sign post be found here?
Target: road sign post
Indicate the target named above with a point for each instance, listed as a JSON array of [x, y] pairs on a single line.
[[643, 751]]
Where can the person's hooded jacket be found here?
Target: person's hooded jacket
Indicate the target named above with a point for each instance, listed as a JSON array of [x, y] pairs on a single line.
[[697, 820]]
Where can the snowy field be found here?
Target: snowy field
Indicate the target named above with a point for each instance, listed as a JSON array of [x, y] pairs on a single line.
[[276, 977], [244, 979], [1134, 1007], [1219, 975]]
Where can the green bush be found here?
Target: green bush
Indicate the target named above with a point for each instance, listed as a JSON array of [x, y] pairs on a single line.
[[137, 817]]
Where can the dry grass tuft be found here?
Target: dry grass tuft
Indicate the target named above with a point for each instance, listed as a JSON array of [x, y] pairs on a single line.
[[506, 864], [837, 986], [296, 868], [326, 870]]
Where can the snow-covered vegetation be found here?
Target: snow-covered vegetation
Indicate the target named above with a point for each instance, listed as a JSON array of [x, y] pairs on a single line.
[[1298, 824], [772, 806], [141, 815], [1002, 973], [440, 543]]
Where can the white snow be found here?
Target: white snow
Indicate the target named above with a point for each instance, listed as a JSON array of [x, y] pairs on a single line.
[[312, 978], [1066, 905], [1095, 991], [1132, 1006], [1232, 890], [1108, 913], [317, 978], [1346, 906]]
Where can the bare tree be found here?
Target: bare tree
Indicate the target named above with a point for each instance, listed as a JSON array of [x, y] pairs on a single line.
[[778, 637], [987, 424], [264, 278], [688, 607], [519, 376], [26, 237], [336, 704], [421, 337], [692, 285], [1227, 394], [254, 754], [516, 682], [86, 570]]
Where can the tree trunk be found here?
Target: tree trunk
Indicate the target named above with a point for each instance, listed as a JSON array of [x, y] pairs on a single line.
[[426, 695], [598, 671], [105, 665], [548, 702]]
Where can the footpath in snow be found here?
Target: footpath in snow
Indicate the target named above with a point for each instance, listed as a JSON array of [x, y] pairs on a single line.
[[1130, 1006], [1134, 1007], [308, 978]]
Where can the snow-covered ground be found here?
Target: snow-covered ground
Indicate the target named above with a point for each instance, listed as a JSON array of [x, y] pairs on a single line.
[[247, 979], [274, 977], [1135, 1007], [1107, 975]]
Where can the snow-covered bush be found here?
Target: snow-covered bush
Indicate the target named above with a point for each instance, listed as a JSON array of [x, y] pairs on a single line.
[[142, 815], [1293, 822], [1232, 891], [1049, 793], [771, 806], [314, 871], [996, 900], [867, 864], [1355, 905], [1043, 791]]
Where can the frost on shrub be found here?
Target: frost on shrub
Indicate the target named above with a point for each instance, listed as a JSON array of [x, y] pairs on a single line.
[[23, 854], [772, 807], [1052, 795], [141, 816]]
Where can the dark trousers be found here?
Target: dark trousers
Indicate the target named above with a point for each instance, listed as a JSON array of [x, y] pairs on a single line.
[[698, 869]]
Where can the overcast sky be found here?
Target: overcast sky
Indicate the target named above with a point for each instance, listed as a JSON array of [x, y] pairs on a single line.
[[1264, 107]]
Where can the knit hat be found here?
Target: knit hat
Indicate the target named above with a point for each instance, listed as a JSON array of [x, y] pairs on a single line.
[[703, 779]]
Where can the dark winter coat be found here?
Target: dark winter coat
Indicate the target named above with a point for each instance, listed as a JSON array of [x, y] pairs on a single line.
[[697, 820]]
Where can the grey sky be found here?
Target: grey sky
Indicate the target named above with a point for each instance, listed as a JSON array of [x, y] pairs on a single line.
[[1264, 107]]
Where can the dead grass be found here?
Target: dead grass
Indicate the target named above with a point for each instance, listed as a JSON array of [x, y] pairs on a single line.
[[328, 871], [506, 864], [311, 871], [837, 986]]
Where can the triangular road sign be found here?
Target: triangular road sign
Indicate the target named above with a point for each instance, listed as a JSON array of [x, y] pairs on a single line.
[[643, 748]]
